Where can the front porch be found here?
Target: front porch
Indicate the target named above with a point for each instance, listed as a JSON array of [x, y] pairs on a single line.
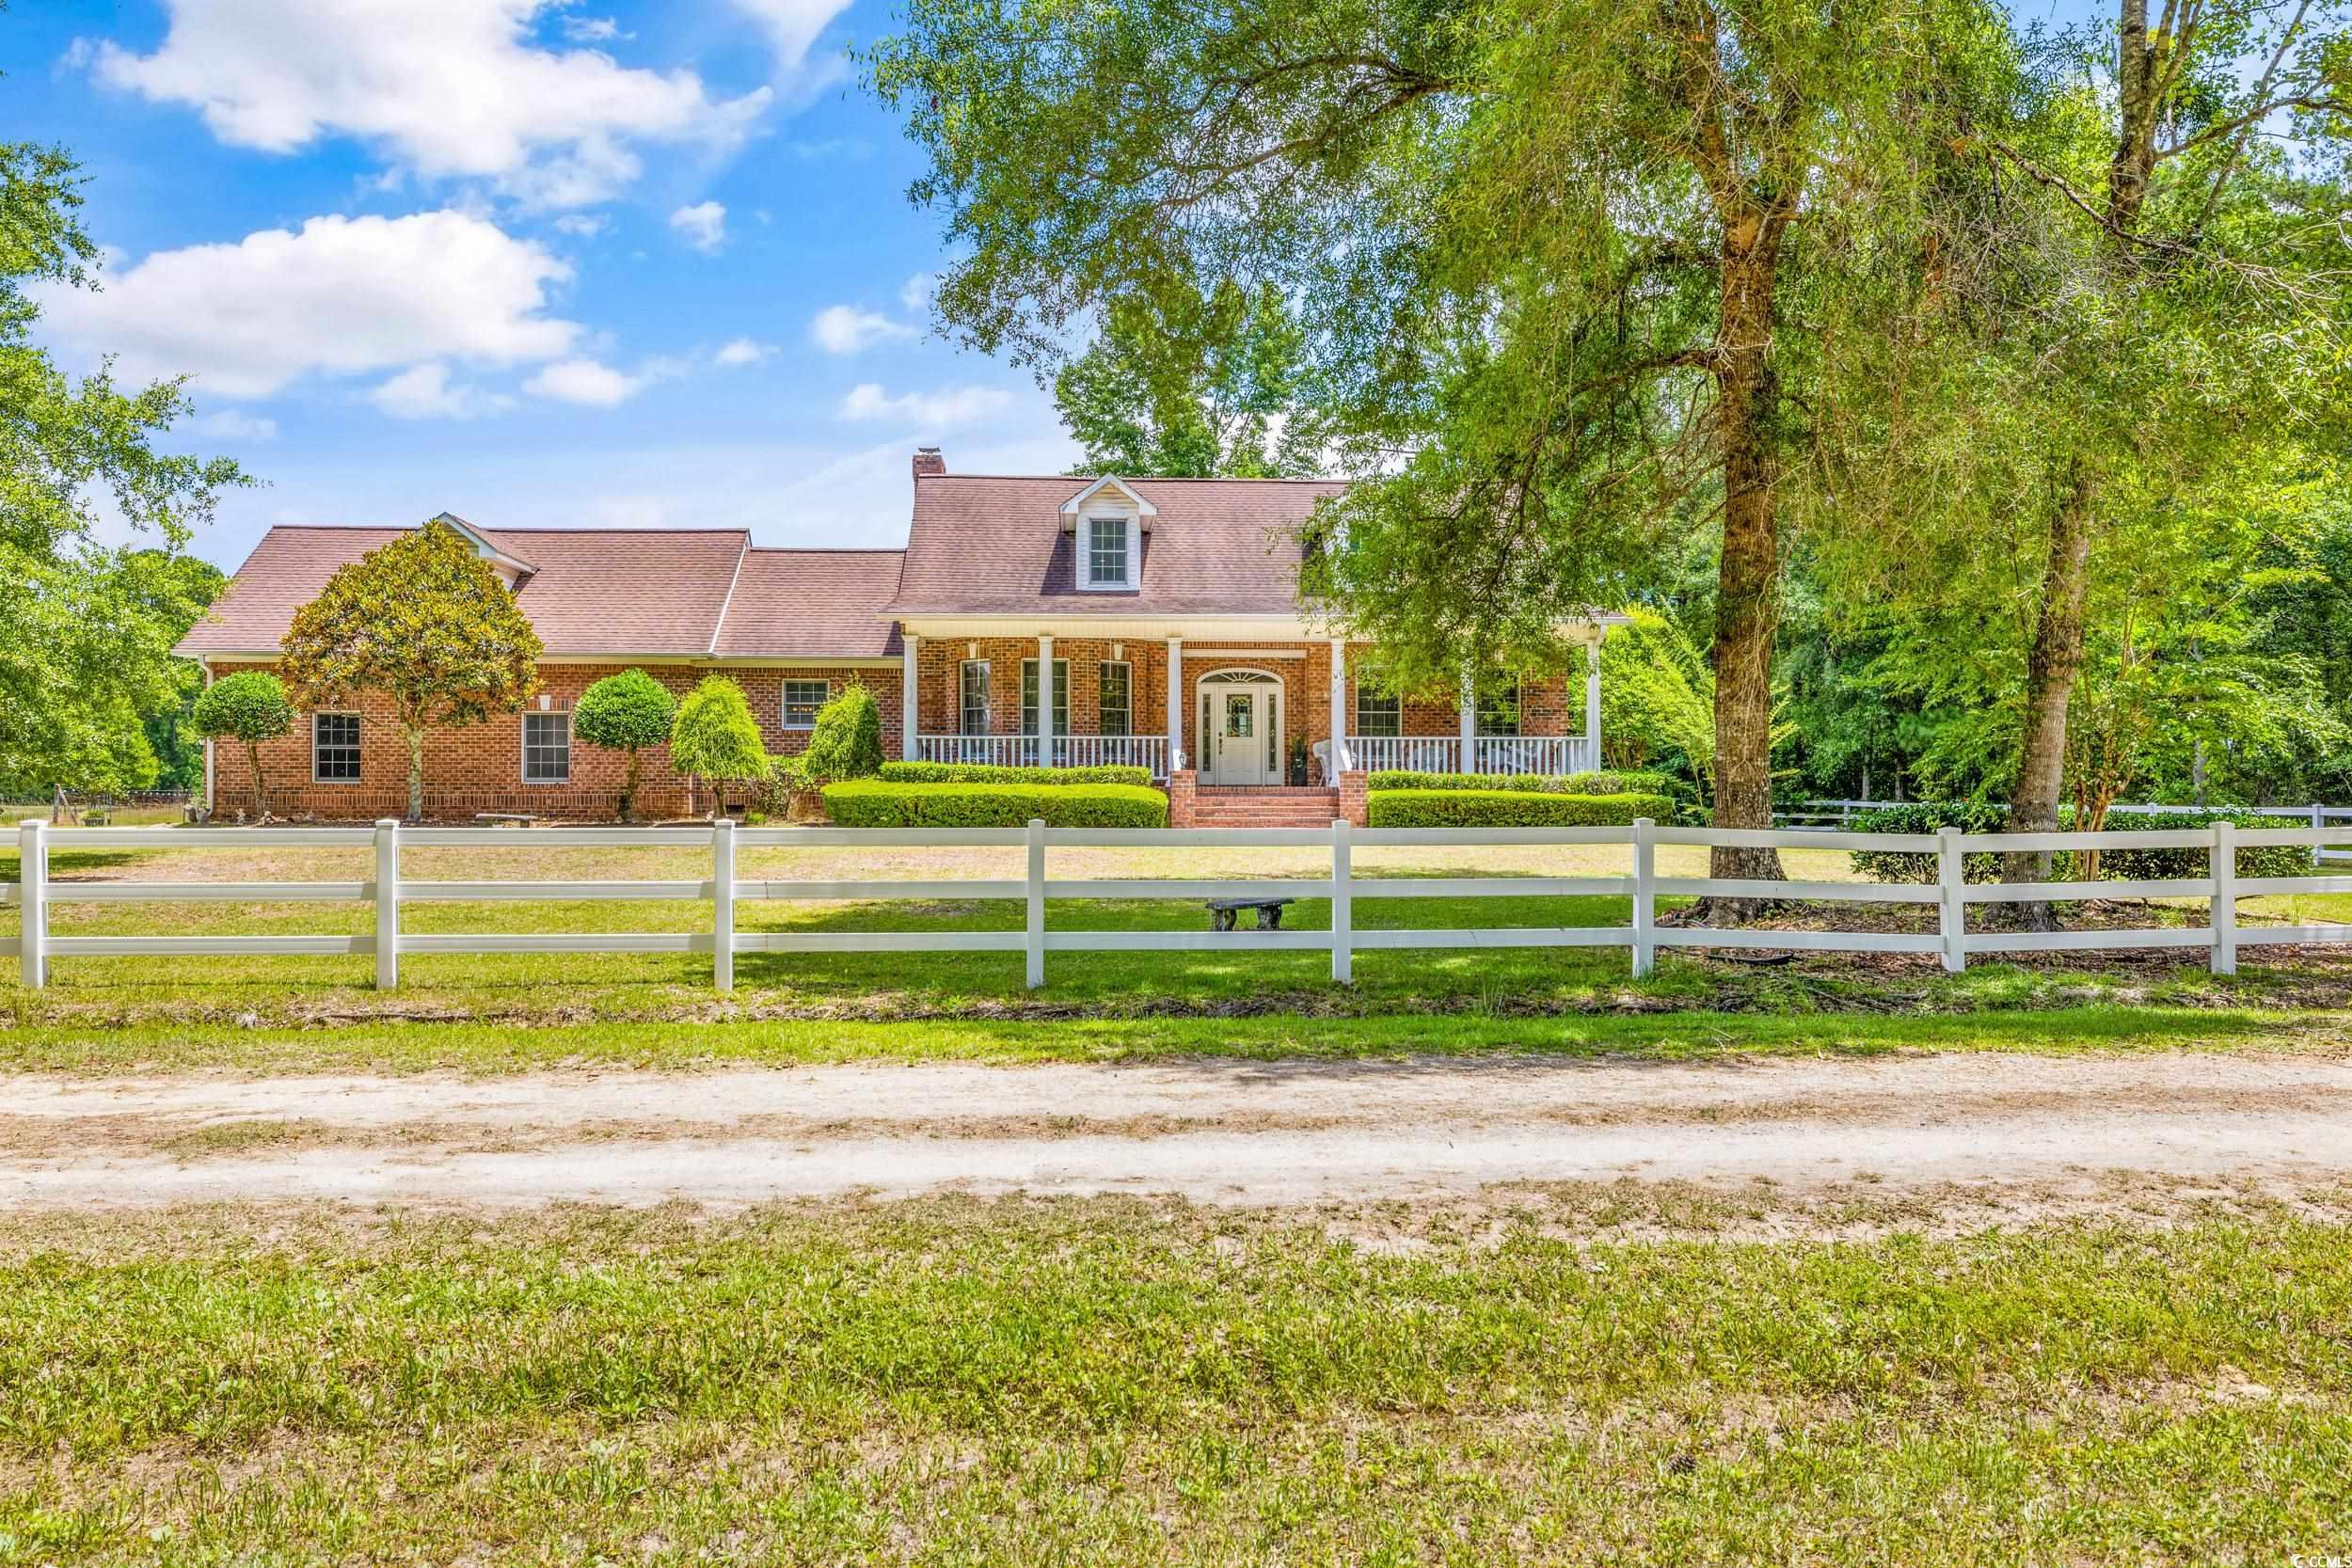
[[1236, 715]]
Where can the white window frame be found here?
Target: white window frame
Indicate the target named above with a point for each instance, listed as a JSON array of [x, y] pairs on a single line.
[[1133, 550], [357, 756], [784, 705], [523, 745], [963, 696], [1394, 698], [1127, 669], [1061, 695], [1511, 697]]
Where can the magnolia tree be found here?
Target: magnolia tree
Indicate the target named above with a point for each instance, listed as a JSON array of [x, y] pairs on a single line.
[[716, 739], [627, 712], [426, 623], [249, 706]]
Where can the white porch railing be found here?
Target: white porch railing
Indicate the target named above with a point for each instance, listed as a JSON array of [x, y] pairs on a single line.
[[2220, 888], [1068, 750], [1548, 754]]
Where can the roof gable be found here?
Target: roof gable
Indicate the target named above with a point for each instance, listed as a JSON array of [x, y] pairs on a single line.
[[1128, 494]]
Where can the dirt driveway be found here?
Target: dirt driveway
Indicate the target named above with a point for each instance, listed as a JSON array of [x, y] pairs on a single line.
[[1252, 1133]]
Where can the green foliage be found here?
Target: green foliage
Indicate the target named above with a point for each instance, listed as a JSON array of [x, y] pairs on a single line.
[[248, 705], [630, 712], [426, 623], [1607, 782], [1511, 808], [846, 741], [85, 629], [1658, 700], [972, 772], [1192, 386], [1987, 816], [881, 803], [715, 736]]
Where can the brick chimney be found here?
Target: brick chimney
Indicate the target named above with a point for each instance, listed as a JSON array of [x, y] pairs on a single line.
[[928, 461]]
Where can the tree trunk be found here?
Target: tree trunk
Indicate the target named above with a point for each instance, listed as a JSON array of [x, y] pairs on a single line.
[[629, 788], [2050, 671], [253, 760], [415, 775]]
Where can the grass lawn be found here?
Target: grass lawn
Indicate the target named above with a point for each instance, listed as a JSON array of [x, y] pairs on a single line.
[[952, 1382]]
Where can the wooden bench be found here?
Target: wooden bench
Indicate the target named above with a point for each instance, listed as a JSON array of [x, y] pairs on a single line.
[[1223, 911]]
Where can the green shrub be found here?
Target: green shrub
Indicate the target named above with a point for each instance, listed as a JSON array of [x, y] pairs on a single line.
[[887, 804], [715, 736], [972, 772], [1511, 808], [2124, 866], [248, 707], [627, 712], [1605, 783]]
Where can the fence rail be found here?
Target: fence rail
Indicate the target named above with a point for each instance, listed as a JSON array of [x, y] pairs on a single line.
[[724, 890]]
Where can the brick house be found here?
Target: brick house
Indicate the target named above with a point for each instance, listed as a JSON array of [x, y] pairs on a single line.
[[1152, 622]]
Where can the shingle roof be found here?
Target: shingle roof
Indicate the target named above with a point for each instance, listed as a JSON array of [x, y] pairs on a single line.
[[646, 592], [983, 546], [813, 604]]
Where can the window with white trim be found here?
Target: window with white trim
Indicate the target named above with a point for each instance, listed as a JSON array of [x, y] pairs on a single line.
[[1028, 696], [548, 748], [1498, 709], [972, 705], [1107, 553], [1379, 713], [1116, 705], [801, 699], [335, 748]]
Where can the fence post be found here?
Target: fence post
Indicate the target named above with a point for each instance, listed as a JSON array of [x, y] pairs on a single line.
[[722, 904], [386, 904], [32, 843], [1951, 915], [2223, 865], [1645, 895], [2319, 822], [1343, 904], [1035, 944]]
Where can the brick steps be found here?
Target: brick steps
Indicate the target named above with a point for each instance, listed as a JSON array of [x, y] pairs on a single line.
[[1266, 808]]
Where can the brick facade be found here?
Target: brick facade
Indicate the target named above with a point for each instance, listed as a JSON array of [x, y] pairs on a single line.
[[479, 767]]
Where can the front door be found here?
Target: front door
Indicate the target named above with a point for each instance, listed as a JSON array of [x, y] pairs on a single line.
[[1244, 731]]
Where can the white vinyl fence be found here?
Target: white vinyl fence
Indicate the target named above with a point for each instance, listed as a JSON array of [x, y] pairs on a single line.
[[2222, 887], [1838, 816]]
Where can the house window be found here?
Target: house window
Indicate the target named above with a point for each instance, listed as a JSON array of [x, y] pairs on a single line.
[[1107, 552], [1118, 701], [801, 699], [335, 748], [1379, 713], [1498, 709], [974, 701], [1028, 696], [547, 747]]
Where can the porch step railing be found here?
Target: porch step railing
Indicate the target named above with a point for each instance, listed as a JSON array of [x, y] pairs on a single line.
[[1067, 751], [1489, 754]]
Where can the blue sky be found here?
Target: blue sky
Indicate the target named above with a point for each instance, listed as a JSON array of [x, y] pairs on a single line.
[[535, 263]]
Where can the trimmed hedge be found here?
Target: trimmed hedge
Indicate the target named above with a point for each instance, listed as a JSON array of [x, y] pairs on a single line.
[[887, 804], [1605, 783], [972, 772], [1511, 808], [2121, 866]]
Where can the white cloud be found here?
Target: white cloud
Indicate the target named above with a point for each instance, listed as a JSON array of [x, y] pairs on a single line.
[[793, 27], [847, 329], [586, 381], [341, 296], [594, 29], [743, 351], [450, 88], [425, 392], [952, 405], [916, 292], [230, 424], [583, 225], [703, 225]]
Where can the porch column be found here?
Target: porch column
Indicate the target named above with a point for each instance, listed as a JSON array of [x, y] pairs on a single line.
[[910, 701], [1469, 720], [1044, 700], [1592, 698], [1175, 703], [1339, 761]]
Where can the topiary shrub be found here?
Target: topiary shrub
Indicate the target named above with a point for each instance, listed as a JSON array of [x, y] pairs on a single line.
[[715, 736], [885, 804], [972, 772], [845, 743], [1510, 808], [2121, 866], [250, 706], [1603, 782], [629, 712]]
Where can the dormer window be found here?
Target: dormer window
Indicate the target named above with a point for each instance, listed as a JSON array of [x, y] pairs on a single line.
[[1107, 554]]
